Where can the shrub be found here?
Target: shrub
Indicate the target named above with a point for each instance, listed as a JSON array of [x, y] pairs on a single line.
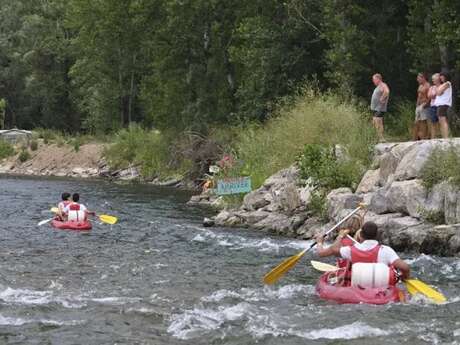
[[24, 155], [34, 145], [76, 143], [318, 205], [442, 165], [320, 165], [399, 123], [6, 149]]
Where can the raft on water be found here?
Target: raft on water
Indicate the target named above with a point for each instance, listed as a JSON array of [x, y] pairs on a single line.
[[355, 294], [71, 225]]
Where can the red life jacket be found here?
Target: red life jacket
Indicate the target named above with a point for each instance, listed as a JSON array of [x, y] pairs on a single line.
[[74, 207], [369, 256], [346, 242]]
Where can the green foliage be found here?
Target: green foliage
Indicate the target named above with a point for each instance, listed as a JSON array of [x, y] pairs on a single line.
[[6, 149], [34, 145], [24, 155], [318, 205], [442, 165], [320, 165], [145, 148], [435, 217], [309, 118], [399, 122]]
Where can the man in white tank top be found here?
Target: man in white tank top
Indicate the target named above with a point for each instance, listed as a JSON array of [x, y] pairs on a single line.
[[443, 102]]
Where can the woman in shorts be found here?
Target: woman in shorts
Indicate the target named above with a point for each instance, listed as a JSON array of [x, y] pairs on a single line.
[[443, 102]]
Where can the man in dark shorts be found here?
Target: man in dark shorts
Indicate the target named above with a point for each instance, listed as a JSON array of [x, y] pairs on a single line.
[[379, 103]]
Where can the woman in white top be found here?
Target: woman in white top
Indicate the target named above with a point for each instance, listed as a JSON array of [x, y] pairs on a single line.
[[443, 102]]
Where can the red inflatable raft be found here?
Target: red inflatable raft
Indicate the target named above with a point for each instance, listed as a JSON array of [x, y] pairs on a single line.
[[354, 295], [79, 226]]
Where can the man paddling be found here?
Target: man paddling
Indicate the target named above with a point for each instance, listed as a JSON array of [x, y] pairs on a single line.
[[75, 211], [62, 205], [367, 251]]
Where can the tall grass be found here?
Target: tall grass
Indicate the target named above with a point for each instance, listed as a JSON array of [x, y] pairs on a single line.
[[310, 118]]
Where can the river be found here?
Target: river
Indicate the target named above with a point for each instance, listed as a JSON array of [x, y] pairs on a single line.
[[159, 277]]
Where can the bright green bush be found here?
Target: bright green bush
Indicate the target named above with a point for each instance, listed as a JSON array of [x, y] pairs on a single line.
[[442, 165], [399, 122], [6, 149]]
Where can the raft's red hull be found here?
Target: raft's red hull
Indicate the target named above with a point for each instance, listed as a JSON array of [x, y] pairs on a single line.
[[79, 226], [355, 295]]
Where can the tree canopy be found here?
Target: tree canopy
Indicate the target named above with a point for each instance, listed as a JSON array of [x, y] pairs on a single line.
[[97, 66]]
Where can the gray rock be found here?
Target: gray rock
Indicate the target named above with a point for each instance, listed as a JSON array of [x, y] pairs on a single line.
[[256, 199], [452, 206], [208, 222], [341, 199], [406, 197], [369, 182]]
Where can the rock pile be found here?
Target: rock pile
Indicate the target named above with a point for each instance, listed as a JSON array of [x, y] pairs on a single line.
[[396, 198]]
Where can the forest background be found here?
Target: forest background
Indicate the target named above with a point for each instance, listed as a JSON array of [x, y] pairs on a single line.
[[220, 69]]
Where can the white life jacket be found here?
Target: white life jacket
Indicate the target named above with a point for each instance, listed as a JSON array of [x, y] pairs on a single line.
[[370, 275], [76, 214]]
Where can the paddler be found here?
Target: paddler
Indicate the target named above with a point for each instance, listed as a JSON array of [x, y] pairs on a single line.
[[62, 204], [75, 211], [368, 250]]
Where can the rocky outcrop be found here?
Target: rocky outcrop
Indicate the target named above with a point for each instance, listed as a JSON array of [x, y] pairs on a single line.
[[397, 200]]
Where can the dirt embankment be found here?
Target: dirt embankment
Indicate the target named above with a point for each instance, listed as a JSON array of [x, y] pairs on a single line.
[[54, 160]]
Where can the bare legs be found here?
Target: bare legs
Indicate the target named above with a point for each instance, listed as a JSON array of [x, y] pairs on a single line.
[[420, 130], [378, 125], [444, 126], [434, 129]]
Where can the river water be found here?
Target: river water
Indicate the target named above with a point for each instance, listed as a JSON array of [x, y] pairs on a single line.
[[159, 277]]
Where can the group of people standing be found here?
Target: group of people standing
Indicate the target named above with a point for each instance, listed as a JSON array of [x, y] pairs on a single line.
[[433, 103]]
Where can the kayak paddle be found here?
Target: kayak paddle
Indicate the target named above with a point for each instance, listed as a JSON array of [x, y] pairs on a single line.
[[276, 273], [413, 286], [323, 267]]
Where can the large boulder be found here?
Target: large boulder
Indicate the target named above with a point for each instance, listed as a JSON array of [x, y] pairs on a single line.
[[452, 206], [340, 201], [369, 182]]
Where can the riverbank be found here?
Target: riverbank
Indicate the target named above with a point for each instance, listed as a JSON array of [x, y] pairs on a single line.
[[411, 216], [63, 160]]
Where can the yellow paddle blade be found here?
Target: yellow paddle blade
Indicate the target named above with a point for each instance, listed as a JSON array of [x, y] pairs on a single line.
[[54, 209], [272, 276], [323, 267], [108, 219], [417, 286]]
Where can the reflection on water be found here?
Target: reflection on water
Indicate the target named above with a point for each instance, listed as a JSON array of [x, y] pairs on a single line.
[[159, 277]]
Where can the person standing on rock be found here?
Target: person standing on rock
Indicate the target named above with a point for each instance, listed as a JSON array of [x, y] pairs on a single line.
[[422, 109], [443, 102], [434, 120], [368, 250], [379, 103]]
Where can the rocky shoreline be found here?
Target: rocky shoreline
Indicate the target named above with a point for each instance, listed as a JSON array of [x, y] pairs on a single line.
[[87, 162], [396, 198]]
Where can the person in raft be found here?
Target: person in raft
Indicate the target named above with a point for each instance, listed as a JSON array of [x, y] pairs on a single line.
[[372, 264], [75, 211], [62, 204]]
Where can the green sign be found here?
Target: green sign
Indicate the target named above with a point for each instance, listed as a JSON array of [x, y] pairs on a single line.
[[235, 185]]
